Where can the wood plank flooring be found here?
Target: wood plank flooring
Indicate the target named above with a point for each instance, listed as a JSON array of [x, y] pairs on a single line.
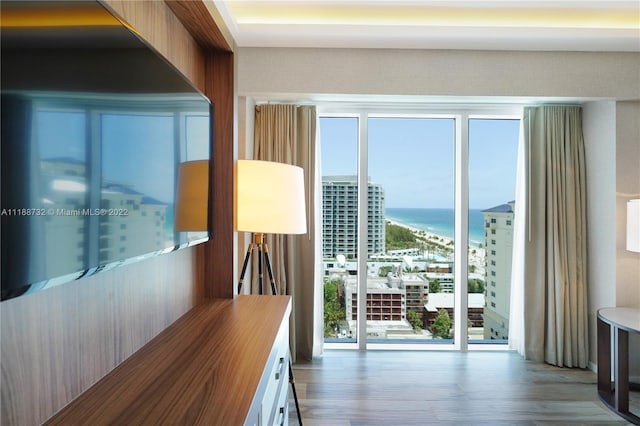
[[352, 388]]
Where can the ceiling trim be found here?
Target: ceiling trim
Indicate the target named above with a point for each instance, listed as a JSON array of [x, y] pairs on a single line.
[[562, 25]]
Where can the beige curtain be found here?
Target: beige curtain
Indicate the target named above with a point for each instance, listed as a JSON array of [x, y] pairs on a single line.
[[287, 134], [556, 246]]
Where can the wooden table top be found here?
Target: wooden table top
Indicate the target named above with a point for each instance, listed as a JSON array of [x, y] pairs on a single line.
[[625, 318]]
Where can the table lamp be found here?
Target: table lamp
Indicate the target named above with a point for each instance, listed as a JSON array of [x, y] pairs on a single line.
[[192, 196]]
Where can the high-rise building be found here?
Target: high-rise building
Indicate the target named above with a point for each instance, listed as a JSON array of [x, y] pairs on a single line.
[[498, 226], [340, 217]]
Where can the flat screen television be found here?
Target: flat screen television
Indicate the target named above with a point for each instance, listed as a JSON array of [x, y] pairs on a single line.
[[94, 127]]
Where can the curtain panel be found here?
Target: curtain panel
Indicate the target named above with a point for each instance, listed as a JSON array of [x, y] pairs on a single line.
[[555, 266], [287, 134]]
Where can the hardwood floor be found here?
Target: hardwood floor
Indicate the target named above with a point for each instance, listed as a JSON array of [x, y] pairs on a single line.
[[351, 388]]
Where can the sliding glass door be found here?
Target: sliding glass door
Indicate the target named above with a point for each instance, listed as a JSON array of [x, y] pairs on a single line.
[[406, 200], [410, 281]]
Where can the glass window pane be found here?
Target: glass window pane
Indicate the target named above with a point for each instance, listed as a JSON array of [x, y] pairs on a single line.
[[339, 150], [493, 146], [195, 145], [143, 194], [410, 284], [62, 144]]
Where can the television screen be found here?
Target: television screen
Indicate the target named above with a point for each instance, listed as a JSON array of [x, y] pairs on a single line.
[[94, 127]]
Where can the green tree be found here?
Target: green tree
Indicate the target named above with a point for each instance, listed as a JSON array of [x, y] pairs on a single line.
[[384, 271], [434, 286], [442, 325], [333, 310], [415, 320], [399, 237], [475, 286]]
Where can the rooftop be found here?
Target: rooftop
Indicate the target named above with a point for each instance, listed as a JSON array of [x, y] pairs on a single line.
[[502, 208], [446, 300]]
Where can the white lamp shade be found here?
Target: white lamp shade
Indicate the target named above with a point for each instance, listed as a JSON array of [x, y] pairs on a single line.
[[269, 198], [192, 196], [633, 225]]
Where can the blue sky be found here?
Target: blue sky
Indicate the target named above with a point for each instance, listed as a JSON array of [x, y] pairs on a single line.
[[61, 134], [130, 141], [413, 159], [493, 156]]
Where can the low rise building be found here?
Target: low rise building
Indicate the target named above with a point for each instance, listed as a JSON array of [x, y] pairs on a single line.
[[386, 299], [443, 273], [437, 301]]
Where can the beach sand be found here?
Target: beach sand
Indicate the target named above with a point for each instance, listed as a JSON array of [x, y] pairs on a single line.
[[476, 255]]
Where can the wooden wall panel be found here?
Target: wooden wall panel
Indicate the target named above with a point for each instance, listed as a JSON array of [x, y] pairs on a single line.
[[58, 342], [220, 89], [198, 16], [156, 23], [219, 251]]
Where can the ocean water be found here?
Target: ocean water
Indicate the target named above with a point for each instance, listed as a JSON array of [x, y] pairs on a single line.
[[439, 221]]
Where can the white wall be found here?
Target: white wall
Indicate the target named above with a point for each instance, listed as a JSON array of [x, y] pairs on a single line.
[[599, 130], [246, 111], [437, 73], [627, 187]]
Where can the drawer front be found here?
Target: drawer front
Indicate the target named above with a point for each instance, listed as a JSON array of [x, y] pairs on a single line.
[[278, 379], [274, 384], [282, 412]]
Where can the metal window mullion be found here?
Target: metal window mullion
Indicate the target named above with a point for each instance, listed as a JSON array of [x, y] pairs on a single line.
[[363, 202], [461, 232], [94, 182]]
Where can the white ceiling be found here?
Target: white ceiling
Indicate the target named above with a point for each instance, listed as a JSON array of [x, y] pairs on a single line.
[[571, 25]]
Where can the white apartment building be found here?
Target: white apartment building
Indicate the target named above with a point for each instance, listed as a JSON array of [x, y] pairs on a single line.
[[498, 225], [64, 183], [139, 231], [340, 217], [443, 273], [417, 291]]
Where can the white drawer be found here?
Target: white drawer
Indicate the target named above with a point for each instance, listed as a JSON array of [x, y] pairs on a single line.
[[273, 388], [278, 379], [282, 411]]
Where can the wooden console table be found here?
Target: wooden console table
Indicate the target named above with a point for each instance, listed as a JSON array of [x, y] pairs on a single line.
[[222, 363], [618, 322]]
